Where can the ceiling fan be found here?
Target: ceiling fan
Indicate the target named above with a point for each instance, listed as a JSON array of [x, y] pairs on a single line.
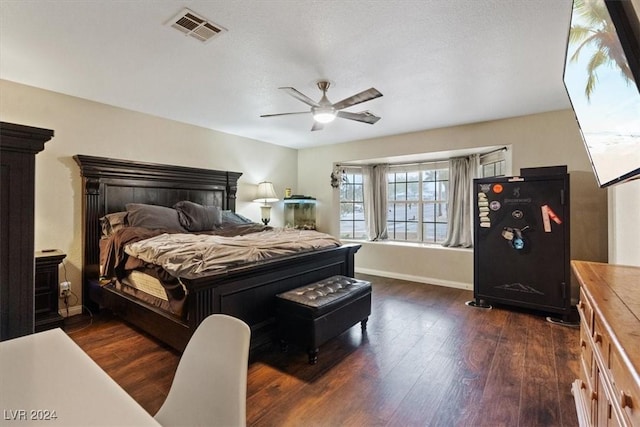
[[325, 112]]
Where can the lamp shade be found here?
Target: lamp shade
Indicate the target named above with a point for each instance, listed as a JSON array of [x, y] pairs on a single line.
[[266, 193]]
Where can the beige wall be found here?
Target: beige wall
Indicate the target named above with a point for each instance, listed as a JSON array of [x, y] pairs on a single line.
[[85, 127], [624, 214], [624, 224], [547, 139], [636, 6]]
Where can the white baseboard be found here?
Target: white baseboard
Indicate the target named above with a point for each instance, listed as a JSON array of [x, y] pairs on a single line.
[[75, 310], [419, 279]]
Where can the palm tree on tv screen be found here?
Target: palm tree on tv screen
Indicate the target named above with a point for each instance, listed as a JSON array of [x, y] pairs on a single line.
[[597, 30]]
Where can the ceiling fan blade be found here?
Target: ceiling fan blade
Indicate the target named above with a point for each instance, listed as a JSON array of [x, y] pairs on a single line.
[[285, 114], [300, 96], [317, 126], [365, 95], [364, 117]]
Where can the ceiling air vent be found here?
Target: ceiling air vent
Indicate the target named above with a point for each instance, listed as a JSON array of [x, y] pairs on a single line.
[[194, 25]]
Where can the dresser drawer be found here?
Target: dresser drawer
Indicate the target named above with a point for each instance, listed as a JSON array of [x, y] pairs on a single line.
[[627, 391], [584, 399], [586, 354], [585, 310], [602, 342]]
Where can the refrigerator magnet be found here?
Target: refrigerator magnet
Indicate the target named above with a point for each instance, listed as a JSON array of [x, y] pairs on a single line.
[[545, 218]]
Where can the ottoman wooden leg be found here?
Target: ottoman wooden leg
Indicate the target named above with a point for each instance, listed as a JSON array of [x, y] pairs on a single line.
[[363, 324], [313, 356]]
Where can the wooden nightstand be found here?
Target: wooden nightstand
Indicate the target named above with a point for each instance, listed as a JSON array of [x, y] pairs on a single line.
[[46, 290]]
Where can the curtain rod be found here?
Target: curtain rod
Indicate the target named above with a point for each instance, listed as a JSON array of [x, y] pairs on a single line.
[[494, 151], [418, 163]]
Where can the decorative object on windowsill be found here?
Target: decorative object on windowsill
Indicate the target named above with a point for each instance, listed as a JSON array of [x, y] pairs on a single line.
[[266, 194], [337, 176]]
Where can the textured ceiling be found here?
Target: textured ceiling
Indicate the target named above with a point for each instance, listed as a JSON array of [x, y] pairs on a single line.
[[437, 62]]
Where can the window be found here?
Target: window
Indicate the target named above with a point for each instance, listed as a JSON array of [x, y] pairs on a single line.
[[417, 197], [492, 169], [417, 205], [403, 216], [493, 164], [352, 205], [435, 193]]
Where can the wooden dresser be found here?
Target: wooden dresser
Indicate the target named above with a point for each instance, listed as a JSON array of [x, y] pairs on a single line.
[[608, 390]]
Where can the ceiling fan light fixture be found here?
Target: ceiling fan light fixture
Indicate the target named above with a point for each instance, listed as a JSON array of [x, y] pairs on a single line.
[[324, 115], [324, 111]]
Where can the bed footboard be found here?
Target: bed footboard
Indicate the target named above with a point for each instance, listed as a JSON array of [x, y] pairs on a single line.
[[247, 293]]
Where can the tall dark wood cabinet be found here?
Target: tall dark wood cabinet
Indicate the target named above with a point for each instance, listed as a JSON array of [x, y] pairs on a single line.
[[18, 148]]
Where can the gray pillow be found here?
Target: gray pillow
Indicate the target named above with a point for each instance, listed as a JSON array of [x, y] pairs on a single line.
[[195, 217], [154, 217]]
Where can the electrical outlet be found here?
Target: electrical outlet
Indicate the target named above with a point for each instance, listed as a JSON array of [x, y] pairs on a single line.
[[65, 289]]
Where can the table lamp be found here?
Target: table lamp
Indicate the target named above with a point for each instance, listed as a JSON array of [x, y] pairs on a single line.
[[265, 195]]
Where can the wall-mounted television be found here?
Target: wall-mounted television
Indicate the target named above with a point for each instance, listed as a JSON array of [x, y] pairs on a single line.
[[602, 79]]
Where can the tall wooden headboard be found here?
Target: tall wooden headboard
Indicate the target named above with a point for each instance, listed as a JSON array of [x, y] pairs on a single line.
[[109, 184]]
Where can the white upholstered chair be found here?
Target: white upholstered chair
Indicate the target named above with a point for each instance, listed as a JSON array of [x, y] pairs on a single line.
[[210, 384]]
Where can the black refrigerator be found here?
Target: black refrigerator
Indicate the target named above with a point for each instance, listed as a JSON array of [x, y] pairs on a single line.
[[521, 241]]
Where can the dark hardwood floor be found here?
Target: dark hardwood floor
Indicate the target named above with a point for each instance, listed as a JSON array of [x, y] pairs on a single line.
[[426, 359]]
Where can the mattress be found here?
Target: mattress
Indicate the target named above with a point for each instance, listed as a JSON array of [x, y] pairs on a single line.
[[150, 290], [145, 283]]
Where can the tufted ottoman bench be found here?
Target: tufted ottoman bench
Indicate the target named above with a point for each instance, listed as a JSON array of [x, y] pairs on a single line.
[[313, 314]]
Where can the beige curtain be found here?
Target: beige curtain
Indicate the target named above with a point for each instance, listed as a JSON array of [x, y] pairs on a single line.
[[375, 201], [462, 171]]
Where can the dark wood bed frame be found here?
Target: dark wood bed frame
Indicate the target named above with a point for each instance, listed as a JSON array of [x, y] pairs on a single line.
[[245, 292]]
